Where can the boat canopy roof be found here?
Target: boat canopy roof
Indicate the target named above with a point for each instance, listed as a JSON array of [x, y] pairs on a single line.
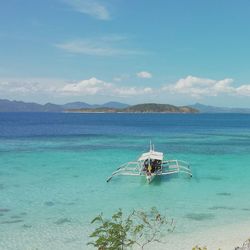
[[151, 155]]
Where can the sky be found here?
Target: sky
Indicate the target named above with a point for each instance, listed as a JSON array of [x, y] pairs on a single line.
[[133, 51]]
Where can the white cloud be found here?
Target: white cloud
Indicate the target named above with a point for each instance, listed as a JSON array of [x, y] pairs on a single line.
[[102, 46], [90, 86], [23, 86], [94, 86], [144, 74], [243, 90], [59, 87], [90, 7], [188, 88], [198, 87], [132, 91], [30, 89]]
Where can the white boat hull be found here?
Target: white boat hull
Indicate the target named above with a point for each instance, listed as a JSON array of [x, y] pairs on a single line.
[[150, 178]]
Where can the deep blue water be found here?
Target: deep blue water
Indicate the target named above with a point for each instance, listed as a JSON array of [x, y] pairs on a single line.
[[63, 124]]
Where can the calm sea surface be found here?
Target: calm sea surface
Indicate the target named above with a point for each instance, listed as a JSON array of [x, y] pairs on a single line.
[[53, 171]]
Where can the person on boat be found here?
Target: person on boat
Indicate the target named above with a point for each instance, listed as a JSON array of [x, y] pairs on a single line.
[[146, 165], [153, 165], [149, 169]]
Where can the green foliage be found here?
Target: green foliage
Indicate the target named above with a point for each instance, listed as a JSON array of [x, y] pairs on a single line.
[[121, 232], [199, 248], [112, 234]]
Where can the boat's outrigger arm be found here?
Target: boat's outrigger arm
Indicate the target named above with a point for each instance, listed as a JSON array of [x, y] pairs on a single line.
[[175, 166], [130, 168]]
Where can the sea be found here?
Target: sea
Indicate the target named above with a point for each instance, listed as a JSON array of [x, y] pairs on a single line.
[[54, 166]]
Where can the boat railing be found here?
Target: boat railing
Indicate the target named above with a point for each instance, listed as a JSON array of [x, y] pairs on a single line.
[[176, 166]]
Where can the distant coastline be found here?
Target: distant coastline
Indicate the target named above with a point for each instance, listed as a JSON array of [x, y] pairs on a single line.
[[113, 107], [82, 107]]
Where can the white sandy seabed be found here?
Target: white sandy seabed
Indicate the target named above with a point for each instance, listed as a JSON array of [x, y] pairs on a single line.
[[223, 237], [73, 237]]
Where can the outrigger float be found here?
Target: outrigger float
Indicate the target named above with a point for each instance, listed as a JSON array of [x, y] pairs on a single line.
[[151, 164]]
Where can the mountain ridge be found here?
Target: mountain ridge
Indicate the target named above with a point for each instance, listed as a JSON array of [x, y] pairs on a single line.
[[112, 106], [20, 106], [214, 109]]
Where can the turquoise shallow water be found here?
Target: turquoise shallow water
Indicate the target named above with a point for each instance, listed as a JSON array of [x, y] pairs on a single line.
[[53, 169]]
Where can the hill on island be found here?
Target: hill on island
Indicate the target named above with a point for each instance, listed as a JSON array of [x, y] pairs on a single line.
[[213, 109], [164, 108], [142, 108]]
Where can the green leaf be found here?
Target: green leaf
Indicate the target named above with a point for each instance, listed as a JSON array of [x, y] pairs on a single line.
[[121, 232], [97, 219]]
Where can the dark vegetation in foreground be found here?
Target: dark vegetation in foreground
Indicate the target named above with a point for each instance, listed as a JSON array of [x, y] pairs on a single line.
[[139, 229]]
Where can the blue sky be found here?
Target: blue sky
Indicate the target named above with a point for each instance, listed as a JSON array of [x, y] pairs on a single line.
[[133, 51]]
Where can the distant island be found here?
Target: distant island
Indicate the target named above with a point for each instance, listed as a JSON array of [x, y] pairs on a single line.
[[213, 109], [113, 107], [82, 107], [20, 106], [140, 108]]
